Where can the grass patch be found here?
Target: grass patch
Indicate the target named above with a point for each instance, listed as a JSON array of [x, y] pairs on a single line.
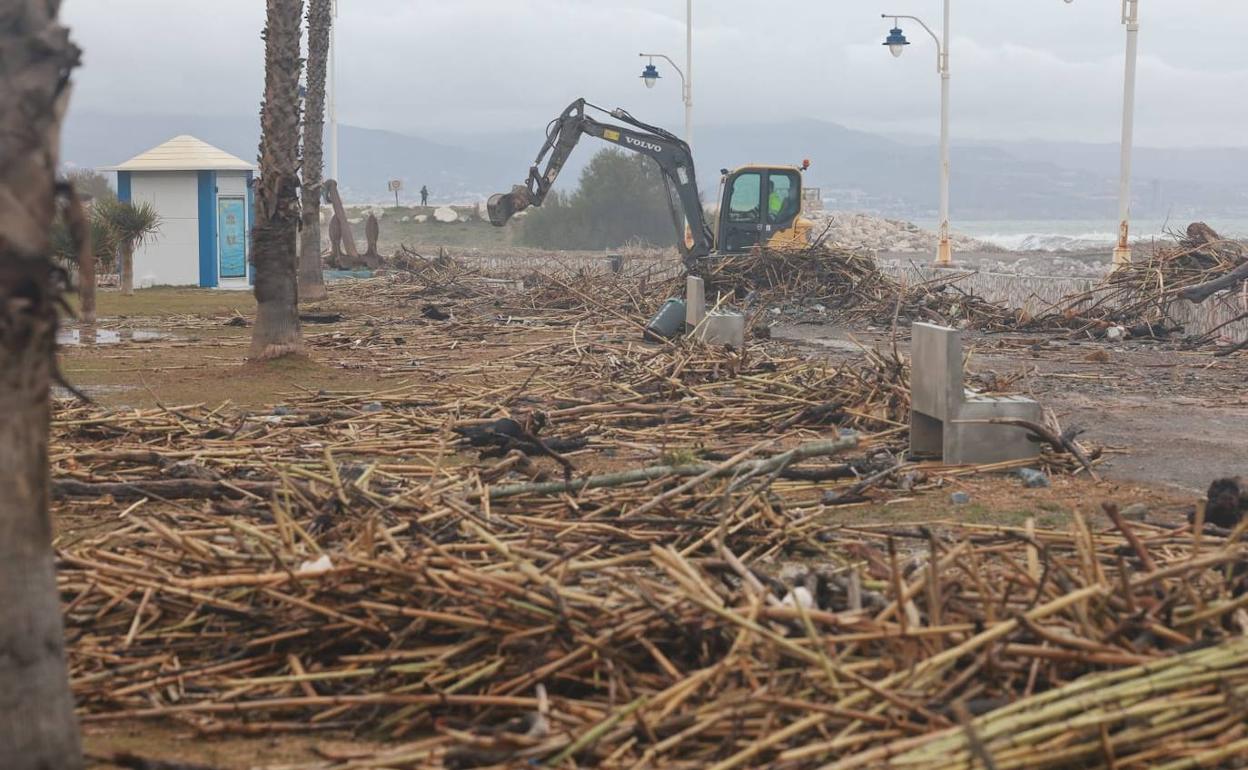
[[1016, 517], [207, 366], [167, 301]]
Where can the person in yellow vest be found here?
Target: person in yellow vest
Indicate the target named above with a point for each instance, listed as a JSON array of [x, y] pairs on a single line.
[[775, 203]]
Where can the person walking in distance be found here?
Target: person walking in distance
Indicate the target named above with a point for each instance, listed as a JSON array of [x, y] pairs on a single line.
[[424, 195]]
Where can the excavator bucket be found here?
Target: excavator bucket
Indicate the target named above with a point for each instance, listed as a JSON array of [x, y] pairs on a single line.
[[501, 207]]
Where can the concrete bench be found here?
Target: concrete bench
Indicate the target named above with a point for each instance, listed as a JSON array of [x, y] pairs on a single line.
[[944, 413]]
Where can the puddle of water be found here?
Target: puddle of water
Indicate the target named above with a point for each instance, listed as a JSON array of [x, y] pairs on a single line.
[[846, 345], [108, 336], [92, 390]]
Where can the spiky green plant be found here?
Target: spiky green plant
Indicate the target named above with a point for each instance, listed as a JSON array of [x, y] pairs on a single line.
[[103, 241], [133, 224]]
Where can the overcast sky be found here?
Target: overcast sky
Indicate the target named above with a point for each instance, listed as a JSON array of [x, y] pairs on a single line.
[[1022, 69]]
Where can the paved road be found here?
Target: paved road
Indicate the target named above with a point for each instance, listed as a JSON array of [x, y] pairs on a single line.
[[1179, 418]]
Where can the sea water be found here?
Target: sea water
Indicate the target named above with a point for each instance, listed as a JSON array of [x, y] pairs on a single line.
[[1078, 234]]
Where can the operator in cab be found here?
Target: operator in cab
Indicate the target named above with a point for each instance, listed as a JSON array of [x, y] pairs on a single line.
[[780, 201], [775, 201]]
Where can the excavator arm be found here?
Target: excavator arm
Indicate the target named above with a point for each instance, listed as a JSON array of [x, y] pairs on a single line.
[[669, 151]]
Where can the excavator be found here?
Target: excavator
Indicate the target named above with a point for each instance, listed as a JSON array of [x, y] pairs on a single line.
[[759, 205]]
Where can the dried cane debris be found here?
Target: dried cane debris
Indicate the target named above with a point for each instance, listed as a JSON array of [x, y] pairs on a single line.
[[340, 564]]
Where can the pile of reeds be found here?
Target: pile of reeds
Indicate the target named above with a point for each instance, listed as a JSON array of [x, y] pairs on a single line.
[[850, 285], [1141, 296], [654, 623], [690, 597], [1176, 712]]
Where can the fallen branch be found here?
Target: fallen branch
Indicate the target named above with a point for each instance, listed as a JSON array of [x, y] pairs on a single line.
[[1146, 559], [1203, 291], [169, 489], [805, 451], [854, 493], [1064, 442]]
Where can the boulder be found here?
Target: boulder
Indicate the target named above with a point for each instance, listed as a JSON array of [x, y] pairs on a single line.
[[445, 214]]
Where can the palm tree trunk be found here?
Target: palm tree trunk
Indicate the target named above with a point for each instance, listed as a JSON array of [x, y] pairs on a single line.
[[311, 279], [127, 269], [86, 289], [276, 332], [76, 216], [37, 724]]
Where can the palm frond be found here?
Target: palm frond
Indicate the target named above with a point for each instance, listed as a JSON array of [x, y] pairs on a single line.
[[133, 223], [104, 241]]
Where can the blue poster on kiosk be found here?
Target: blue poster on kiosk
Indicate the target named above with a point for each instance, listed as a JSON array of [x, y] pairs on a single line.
[[232, 226]]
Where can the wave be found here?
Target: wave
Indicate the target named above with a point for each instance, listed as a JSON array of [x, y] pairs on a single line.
[[1096, 240], [1051, 241]]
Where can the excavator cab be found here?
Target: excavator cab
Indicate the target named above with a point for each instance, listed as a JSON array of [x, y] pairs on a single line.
[[761, 206]]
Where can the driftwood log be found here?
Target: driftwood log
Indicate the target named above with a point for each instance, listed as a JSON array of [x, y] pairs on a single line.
[[1203, 291], [335, 241], [348, 238], [372, 231], [1204, 240]]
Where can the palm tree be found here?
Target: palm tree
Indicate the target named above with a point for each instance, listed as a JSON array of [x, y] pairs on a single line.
[[133, 224], [101, 249], [311, 280], [276, 332], [104, 244], [37, 724]]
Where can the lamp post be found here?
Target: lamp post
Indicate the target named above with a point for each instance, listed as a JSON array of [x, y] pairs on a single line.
[[333, 94], [896, 42], [651, 73], [1131, 19]]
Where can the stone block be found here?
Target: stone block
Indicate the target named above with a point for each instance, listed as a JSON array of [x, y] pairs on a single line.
[[948, 421], [695, 301], [724, 327], [935, 370], [977, 443]]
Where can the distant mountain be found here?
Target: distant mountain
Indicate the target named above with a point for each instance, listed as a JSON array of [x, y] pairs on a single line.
[[368, 158], [894, 176], [1211, 165]]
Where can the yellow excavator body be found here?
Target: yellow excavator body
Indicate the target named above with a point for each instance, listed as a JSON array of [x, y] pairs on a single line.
[[761, 205]]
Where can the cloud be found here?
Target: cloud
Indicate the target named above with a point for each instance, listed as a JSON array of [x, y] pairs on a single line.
[[1021, 68]]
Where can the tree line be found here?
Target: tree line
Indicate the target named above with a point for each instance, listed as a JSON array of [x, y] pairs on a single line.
[[621, 199]]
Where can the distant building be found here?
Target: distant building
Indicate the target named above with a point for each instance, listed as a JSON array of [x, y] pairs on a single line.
[[204, 197]]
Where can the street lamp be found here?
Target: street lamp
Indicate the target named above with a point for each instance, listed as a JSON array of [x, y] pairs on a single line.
[[896, 42], [1130, 18], [651, 73]]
